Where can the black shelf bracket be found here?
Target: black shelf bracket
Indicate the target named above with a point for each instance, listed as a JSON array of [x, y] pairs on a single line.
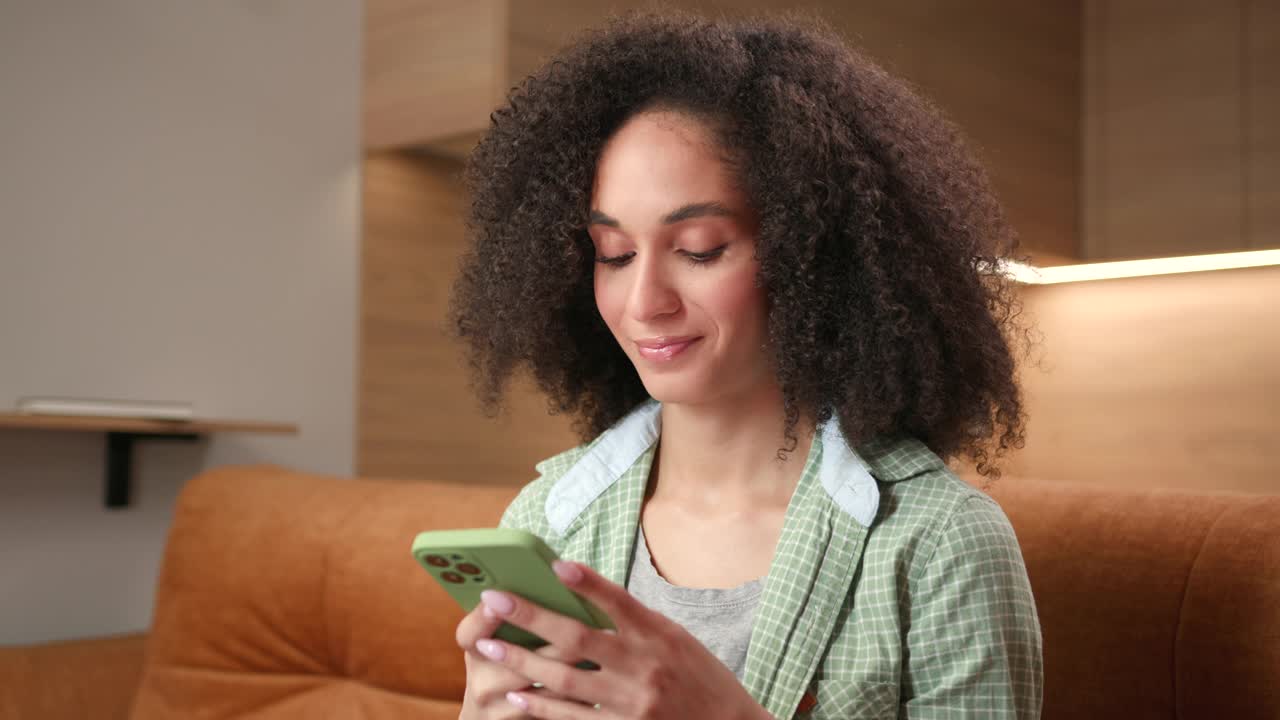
[[120, 462]]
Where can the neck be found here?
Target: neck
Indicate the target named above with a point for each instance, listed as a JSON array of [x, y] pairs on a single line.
[[725, 456]]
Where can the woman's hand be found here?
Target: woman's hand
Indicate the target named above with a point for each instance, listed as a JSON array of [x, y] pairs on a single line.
[[488, 682], [649, 668]]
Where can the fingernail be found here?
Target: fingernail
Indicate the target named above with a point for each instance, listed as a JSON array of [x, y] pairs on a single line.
[[500, 603], [488, 612], [491, 649], [567, 571], [517, 700]]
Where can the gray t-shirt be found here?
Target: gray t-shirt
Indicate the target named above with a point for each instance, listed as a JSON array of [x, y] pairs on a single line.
[[719, 618]]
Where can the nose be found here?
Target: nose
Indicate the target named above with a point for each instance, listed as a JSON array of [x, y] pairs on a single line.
[[652, 293]]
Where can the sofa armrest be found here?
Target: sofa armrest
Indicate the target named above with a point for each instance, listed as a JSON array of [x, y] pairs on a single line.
[[76, 679]]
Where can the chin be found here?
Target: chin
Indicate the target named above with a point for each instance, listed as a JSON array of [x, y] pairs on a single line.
[[688, 390]]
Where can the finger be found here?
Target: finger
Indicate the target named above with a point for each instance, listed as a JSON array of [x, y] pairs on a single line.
[[572, 638], [538, 689], [488, 682], [552, 708], [496, 674], [555, 677], [555, 653], [621, 607], [481, 622]]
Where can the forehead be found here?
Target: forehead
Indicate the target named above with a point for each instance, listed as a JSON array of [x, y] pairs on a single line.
[[659, 160]]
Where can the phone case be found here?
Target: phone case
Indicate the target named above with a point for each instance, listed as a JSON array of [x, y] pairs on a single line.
[[466, 562]]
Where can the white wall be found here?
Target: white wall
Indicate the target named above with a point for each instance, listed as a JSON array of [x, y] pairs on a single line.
[[179, 190]]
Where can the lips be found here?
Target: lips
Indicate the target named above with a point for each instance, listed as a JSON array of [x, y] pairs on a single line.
[[666, 347]]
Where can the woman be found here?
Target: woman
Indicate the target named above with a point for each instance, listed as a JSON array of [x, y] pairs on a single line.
[[757, 271]]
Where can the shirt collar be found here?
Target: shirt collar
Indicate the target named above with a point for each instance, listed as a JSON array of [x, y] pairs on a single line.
[[848, 477]]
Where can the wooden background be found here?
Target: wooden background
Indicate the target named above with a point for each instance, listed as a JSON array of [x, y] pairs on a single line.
[[1181, 127], [1165, 381]]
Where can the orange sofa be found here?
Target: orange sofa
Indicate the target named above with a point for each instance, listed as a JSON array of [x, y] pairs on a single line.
[[287, 595]]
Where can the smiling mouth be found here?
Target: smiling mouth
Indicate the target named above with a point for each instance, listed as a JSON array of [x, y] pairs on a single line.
[[664, 348]]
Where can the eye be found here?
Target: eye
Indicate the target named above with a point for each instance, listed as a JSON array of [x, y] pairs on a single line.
[[702, 258], [616, 260]]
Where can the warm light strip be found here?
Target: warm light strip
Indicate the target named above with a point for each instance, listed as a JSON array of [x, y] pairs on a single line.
[[1031, 275]]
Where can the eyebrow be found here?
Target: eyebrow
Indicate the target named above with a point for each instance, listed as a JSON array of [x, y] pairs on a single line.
[[687, 212]]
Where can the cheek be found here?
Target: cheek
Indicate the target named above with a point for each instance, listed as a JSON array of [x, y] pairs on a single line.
[[609, 299], [738, 302]]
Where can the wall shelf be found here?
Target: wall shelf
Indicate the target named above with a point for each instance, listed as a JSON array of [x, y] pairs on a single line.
[[122, 433]]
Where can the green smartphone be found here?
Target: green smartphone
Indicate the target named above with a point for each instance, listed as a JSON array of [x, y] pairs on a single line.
[[467, 562]]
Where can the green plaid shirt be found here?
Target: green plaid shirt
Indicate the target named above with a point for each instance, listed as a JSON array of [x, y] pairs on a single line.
[[897, 590]]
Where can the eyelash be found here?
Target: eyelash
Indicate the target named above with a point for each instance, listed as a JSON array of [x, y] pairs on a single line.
[[705, 258]]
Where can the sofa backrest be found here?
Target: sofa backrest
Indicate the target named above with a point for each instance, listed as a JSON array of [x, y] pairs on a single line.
[[295, 595], [286, 595], [1153, 604]]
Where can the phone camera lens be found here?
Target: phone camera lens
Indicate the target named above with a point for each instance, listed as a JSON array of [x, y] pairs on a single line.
[[468, 568], [456, 557], [437, 561], [452, 577]]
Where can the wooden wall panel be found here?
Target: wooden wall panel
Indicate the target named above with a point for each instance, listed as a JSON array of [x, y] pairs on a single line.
[[1262, 124], [1170, 381], [432, 68], [1007, 72], [417, 416], [1166, 118], [1182, 127], [1093, 213]]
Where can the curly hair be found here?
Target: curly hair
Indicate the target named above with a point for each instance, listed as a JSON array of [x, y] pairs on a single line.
[[878, 240]]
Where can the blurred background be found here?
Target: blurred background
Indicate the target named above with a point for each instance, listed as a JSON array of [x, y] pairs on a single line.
[[254, 207]]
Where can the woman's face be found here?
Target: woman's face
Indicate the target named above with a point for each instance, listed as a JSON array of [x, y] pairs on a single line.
[[675, 273]]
